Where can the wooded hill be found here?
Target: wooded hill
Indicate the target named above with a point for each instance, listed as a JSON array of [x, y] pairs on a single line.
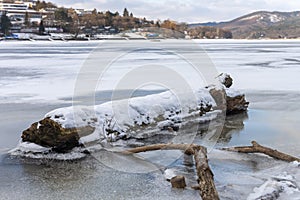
[[261, 24]]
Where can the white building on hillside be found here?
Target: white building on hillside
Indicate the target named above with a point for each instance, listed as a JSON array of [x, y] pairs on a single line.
[[17, 11], [30, 3]]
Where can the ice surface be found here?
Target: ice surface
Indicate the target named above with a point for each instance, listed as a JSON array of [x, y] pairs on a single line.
[[33, 71], [32, 148], [277, 187], [254, 176], [260, 65], [46, 72]]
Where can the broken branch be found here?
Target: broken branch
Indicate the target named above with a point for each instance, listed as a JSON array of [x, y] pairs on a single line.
[[207, 187], [257, 148]]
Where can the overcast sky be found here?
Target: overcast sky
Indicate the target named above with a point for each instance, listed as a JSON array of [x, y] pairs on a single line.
[[185, 10]]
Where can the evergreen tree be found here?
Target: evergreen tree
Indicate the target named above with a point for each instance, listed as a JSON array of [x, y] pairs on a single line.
[[41, 28], [125, 13], [108, 18], [26, 20], [5, 24], [158, 23], [94, 12], [62, 15]]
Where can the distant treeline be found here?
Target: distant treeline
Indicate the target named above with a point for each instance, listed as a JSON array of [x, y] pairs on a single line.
[[78, 21], [209, 33]]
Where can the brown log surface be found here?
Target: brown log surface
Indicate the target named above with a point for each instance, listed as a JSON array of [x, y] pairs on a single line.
[[178, 182], [188, 148], [206, 177], [257, 148]]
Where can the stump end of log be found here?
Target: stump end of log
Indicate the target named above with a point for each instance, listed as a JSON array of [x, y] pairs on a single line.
[[178, 182]]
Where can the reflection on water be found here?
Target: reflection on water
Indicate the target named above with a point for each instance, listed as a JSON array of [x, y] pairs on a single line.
[[233, 125]]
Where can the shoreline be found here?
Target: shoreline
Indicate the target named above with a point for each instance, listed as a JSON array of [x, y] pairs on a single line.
[[149, 39]]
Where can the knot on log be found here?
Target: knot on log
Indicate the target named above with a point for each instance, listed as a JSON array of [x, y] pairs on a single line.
[[255, 144]]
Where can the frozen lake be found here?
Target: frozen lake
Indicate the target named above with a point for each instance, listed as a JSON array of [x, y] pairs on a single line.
[[37, 77]]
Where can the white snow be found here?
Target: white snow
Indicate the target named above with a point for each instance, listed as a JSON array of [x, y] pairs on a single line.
[[27, 147], [95, 136], [169, 174], [250, 17], [121, 115], [75, 154], [254, 176], [222, 77], [31, 150], [117, 119], [274, 187], [231, 92], [275, 18]]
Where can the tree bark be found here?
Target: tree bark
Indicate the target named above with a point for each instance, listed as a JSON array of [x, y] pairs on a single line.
[[206, 177], [178, 182], [207, 187], [187, 148], [257, 148]]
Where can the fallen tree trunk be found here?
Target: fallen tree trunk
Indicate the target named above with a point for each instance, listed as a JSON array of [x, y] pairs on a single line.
[[205, 175], [207, 186], [257, 148]]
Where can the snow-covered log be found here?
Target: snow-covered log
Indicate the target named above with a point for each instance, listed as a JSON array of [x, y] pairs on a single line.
[[66, 128]]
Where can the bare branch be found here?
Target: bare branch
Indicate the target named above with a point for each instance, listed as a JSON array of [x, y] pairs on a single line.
[[257, 148]]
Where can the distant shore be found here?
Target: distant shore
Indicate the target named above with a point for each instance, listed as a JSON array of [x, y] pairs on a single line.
[[68, 37], [123, 39]]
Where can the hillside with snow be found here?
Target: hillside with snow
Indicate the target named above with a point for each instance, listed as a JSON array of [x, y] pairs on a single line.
[[262, 24]]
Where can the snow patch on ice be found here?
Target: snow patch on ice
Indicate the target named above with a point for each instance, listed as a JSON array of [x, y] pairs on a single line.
[[33, 151], [28, 147], [272, 188], [90, 138], [169, 174]]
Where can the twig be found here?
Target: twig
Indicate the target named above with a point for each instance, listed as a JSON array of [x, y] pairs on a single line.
[[257, 148]]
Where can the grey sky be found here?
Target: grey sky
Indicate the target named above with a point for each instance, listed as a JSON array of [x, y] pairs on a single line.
[[185, 10]]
